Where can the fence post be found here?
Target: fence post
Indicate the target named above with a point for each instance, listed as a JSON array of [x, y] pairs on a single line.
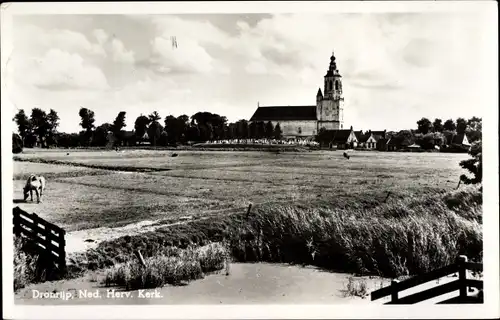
[[17, 222], [62, 252], [141, 259], [394, 291], [248, 211], [462, 276]]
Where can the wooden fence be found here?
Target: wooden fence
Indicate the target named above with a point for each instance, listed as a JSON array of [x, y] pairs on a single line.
[[461, 284], [47, 236]]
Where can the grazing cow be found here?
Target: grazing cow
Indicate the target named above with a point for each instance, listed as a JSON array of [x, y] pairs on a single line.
[[346, 155], [36, 183]]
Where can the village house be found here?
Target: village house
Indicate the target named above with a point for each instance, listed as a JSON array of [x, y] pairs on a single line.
[[370, 139], [305, 122], [396, 143], [343, 139]]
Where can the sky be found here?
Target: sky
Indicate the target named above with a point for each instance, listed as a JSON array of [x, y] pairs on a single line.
[[396, 67]]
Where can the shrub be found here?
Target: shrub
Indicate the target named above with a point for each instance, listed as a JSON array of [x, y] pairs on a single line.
[[186, 265], [355, 288], [31, 265], [17, 143], [473, 165]]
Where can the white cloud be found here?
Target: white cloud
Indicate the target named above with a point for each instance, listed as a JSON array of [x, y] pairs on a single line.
[[35, 39], [58, 70], [120, 53], [188, 57]]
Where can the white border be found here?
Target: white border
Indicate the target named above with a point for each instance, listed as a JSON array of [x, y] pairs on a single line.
[[490, 309]]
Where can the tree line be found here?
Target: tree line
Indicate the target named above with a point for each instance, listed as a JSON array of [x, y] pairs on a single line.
[[436, 133], [41, 129]]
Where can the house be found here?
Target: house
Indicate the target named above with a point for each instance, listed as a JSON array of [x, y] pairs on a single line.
[[460, 140], [344, 139], [302, 122], [370, 139], [127, 138], [456, 143], [414, 147], [397, 143]]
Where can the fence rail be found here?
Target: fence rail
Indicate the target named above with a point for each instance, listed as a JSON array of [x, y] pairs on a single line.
[[461, 284], [47, 236]]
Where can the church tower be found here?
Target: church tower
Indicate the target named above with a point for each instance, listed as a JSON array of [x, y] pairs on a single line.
[[330, 106]]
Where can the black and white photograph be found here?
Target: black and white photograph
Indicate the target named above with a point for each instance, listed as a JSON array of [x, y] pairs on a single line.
[[250, 156]]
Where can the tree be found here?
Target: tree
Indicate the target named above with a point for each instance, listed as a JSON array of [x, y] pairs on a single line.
[[154, 132], [40, 125], [101, 134], [461, 125], [242, 129], [449, 125], [260, 130], [183, 125], [269, 131], [155, 116], [23, 124], [438, 125], [172, 128], [430, 140], [278, 134], [17, 143], [87, 123], [53, 123], [475, 124], [473, 165], [474, 129], [424, 125], [252, 130], [118, 125], [141, 126]]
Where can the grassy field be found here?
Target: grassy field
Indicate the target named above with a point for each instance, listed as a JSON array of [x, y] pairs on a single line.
[[297, 197], [202, 182]]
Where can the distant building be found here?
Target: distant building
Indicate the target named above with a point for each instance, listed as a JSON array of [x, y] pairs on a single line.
[[343, 139], [396, 143], [307, 121]]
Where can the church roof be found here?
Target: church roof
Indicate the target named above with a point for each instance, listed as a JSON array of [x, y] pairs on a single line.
[[282, 113]]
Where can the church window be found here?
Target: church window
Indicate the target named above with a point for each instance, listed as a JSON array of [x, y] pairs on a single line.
[[336, 85]]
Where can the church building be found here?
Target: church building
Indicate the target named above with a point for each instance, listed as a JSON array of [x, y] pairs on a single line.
[[304, 122]]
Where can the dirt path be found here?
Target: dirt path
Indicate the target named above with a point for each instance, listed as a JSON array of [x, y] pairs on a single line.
[[247, 283]]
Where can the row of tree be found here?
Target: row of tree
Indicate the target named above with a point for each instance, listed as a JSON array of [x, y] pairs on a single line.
[[41, 129], [471, 127]]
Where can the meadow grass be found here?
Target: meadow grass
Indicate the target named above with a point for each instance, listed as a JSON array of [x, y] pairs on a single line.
[[31, 265], [179, 266], [337, 216], [407, 236]]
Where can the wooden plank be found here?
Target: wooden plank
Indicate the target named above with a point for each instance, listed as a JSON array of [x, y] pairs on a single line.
[[474, 266], [45, 235], [35, 238], [459, 300], [36, 227], [429, 293], [45, 223], [415, 281]]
